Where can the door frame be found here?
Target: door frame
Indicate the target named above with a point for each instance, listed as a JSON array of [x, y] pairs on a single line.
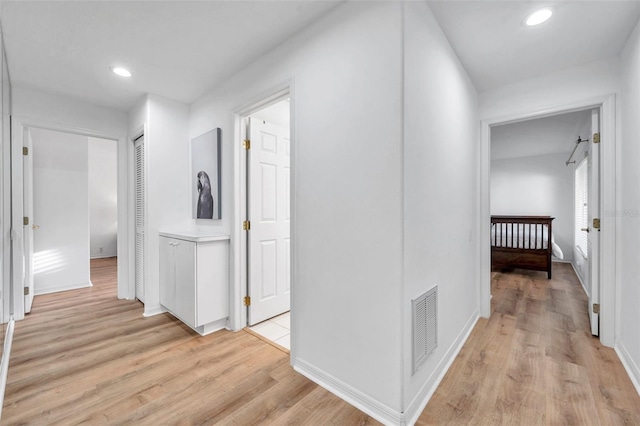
[[608, 203], [129, 290], [18, 125], [238, 312]]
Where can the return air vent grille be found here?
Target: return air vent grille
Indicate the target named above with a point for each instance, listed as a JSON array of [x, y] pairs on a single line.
[[425, 326]]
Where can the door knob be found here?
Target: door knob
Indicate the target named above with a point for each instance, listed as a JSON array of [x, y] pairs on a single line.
[[585, 229], [35, 227]]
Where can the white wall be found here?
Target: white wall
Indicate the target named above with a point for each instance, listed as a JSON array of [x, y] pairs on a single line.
[[53, 109], [440, 196], [539, 186], [347, 189], [364, 195], [167, 197], [628, 212], [585, 82], [103, 197], [61, 210]]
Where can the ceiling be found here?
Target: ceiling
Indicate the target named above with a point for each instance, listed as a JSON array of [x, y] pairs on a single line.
[[177, 49], [542, 136], [181, 49], [496, 49]]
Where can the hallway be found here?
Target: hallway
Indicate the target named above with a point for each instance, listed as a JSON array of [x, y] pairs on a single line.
[[83, 356], [535, 362]]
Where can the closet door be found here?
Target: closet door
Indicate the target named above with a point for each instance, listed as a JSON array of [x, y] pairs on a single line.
[[140, 215]]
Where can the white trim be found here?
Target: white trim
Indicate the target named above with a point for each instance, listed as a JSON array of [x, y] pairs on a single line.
[[150, 311], [106, 256], [4, 366], [627, 362], [129, 290], [607, 203], [484, 240], [381, 412], [68, 287], [579, 279], [417, 406], [607, 276]]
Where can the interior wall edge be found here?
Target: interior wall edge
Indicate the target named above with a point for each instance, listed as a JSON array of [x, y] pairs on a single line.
[[418, 404], [353, 396], [629, 364]]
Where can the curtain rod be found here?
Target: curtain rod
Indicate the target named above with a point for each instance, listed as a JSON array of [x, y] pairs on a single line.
[[574, 150]]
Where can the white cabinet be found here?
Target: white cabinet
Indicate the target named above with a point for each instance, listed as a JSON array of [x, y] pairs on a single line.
[[194, 279]]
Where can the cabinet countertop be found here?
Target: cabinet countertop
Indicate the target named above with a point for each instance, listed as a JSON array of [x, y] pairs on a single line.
[[194, 235]]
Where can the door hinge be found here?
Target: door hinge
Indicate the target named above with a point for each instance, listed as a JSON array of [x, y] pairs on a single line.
[[247, 301], [25, 220], [246, 144], [596, 308], [25, 150], [246, 225], [26, 291], [596, 223], [596, 138]]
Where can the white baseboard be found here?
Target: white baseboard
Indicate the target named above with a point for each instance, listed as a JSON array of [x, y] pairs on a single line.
[[361, 401], [150, 311], [103, 256], [48, 290], [415, 408], [632, 368], [580, 279], [376, 409], [4, 365]]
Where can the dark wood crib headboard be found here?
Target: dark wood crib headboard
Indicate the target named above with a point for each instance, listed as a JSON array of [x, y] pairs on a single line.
[[506, 251]]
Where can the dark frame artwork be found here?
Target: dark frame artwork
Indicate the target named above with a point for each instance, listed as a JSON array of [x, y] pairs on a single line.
[[205, 175]]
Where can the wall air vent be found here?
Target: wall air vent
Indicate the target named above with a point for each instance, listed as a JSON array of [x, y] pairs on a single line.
[[424, 312]]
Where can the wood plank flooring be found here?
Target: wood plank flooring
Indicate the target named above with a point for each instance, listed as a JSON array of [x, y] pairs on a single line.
[[534, 362], [84, 357]]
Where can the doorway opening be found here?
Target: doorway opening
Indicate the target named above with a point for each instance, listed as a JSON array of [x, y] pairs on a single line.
[[70, 208], [268, 216], [604, 272], [533, 174]]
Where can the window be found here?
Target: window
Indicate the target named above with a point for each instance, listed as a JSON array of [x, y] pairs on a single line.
[[581, 209]]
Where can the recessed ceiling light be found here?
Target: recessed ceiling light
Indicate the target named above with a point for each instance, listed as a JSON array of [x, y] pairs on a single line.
[[122, 72], [538, 17]]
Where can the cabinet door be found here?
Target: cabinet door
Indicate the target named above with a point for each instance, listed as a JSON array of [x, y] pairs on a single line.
[[185, 296], [167, 273], [213, 281]]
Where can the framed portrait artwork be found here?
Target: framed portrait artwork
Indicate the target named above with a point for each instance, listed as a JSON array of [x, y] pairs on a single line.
[[205, 175]]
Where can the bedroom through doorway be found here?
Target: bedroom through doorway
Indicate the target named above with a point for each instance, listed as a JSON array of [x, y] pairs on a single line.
[[544, 195]]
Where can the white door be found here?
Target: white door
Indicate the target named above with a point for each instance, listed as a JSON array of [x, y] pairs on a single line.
[[269, 216], [29, 227], [593, 236], [139, 216]]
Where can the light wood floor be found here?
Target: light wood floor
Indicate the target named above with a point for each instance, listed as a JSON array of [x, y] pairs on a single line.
[[84, 357], [534, 362]]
